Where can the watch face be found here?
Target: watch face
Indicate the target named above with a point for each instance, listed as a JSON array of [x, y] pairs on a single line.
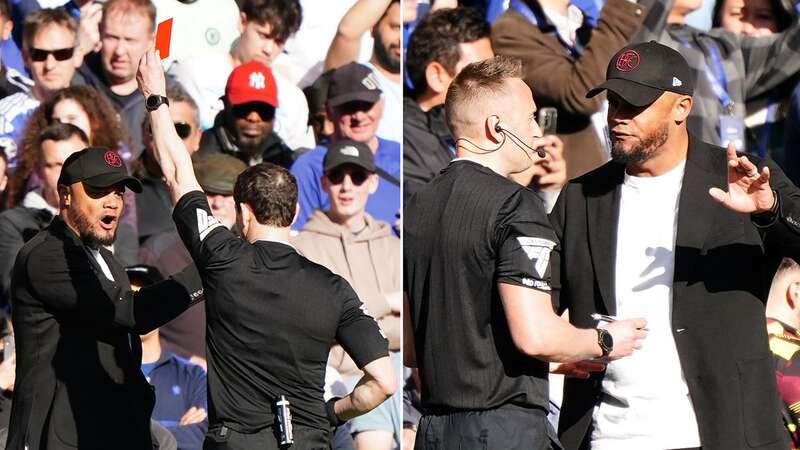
[[607, 340], [153, 101]]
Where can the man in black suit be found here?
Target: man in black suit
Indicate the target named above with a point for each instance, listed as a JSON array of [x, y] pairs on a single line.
[[688, 236], [77, 322]]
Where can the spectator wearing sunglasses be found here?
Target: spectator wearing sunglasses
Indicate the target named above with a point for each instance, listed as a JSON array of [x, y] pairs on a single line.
[[265, 27], [153, 204], [355, 107], [48, 47], [245, 127], [362, 250]]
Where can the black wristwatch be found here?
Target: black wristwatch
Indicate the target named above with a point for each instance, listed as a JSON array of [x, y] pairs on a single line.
[[605, 341], [153, 102]]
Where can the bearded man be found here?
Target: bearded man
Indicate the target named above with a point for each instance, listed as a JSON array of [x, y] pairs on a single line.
[[687, 236], [77, 322], [245, 127]]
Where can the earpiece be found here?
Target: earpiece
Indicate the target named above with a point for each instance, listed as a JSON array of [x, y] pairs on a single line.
[[518, 142], [514, 138]]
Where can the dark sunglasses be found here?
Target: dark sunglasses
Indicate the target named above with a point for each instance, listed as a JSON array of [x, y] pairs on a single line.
[[357, 176], [61, 54], [183, 129], [265, 111]]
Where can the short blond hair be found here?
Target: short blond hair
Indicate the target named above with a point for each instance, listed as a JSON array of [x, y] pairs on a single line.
[[477, 85], [144, 7]]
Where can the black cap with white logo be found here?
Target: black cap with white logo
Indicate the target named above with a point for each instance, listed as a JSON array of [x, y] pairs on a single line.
[[349, 152], [97, 167], [352, 82], [640, 73]]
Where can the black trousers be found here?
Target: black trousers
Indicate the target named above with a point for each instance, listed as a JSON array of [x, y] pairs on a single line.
[[507, 428], [220, 437]]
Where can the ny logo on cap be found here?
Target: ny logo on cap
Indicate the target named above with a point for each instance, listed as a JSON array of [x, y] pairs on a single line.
[[349, 150], [257, 80], [628, 61], [370, 82], [112, 159]]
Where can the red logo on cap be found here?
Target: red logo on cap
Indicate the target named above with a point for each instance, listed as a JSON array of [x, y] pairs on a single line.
[[628, 61], [112, 159]]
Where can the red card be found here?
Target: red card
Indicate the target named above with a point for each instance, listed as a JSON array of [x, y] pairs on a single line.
[[164, 37]]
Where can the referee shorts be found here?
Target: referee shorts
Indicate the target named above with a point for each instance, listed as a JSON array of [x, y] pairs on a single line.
[[507, 428]]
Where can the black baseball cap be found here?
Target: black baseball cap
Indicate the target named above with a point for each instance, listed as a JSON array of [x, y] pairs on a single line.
[[352, 82], [349, 152], [97, 167], [640, 73]]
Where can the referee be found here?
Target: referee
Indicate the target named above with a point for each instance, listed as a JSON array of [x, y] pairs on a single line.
[[477, 277], [272, 315]]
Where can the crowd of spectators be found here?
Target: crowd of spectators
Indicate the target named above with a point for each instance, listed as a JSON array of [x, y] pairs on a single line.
[[249, 81]]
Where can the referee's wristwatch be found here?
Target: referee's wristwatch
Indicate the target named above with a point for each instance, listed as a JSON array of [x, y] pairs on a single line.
[[605, 341], [153, 102]]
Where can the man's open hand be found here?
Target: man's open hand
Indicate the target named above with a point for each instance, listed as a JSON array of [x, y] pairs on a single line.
[[749, 191]]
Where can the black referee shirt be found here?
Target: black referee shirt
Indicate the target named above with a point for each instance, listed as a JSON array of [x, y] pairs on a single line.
[[464, 232], [272, 315]]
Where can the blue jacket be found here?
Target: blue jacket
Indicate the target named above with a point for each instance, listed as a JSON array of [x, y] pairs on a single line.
[[179, 385], [382, 205]]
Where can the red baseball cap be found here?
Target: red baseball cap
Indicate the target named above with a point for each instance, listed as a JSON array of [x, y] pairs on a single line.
[[252, 82]]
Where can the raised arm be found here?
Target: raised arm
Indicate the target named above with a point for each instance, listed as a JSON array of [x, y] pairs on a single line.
[[358, 20], [170, 152]]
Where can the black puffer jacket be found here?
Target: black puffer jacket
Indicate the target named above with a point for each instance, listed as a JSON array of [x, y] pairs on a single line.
[[218, 140]]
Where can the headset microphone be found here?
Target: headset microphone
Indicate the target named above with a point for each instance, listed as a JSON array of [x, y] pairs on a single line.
[[516, 140]]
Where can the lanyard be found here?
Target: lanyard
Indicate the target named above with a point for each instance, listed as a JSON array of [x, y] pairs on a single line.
[[536, 19], [715, 75]]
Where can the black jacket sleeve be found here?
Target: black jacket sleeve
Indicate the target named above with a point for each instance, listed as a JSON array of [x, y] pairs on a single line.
[[782, 234], [63, 280]]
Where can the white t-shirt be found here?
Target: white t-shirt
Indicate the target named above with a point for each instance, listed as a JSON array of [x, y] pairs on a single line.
[[391, 126], [204, 78], [201, 27], [646, 403]]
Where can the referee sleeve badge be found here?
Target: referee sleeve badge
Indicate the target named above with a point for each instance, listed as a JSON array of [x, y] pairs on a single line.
[[538, 251], [205, 223]]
